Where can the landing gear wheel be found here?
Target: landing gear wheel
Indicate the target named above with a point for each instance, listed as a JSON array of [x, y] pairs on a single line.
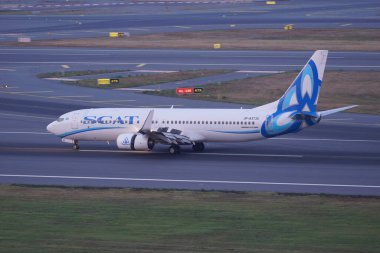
[[198, 147], [76, 145], [174, 149]]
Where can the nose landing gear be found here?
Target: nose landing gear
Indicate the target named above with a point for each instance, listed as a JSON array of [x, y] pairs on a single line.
[[76, 145]]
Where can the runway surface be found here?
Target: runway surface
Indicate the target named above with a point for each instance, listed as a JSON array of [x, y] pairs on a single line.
[[145, 17], [339, 156]]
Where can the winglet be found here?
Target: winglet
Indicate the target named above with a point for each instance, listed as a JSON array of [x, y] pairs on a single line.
[[328, 112], [148, 123]]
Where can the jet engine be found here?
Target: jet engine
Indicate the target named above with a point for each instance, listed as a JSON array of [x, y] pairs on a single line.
[[132, 141]]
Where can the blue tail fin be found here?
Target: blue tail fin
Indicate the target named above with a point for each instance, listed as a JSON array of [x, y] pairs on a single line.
[[303, 93], [296, 109]]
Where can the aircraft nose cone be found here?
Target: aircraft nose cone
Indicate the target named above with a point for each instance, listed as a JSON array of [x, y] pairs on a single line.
[[50, 127]]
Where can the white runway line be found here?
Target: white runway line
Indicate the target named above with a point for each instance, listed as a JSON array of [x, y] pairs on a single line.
[[260, 71], [41, 133], [181, 64], [163, 180], [111, 101], [237, 154], [25, 116], [30, 92], [7, 70], [71, 96], [323, 139]]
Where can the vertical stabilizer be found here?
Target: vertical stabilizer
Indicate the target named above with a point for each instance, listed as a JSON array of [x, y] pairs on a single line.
[[303, 93], [296, 109]]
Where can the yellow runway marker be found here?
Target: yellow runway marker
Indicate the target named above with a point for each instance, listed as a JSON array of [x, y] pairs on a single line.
[[141, 65]]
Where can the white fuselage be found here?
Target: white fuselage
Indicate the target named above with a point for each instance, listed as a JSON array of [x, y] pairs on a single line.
[[206, 125]]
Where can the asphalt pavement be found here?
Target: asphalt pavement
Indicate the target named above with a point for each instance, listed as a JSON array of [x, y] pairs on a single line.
[[339, 156]]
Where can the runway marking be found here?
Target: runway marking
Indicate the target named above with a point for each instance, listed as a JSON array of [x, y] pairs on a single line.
[[27, 116], [164, 180], [345, 24], [59, 98], [263, 56], [237, 154], [140, 65], [217, 154], [71, 96], [260, 71], [155, 71], [135, 89], [138, 29], [171, 50], [353, 123], [110, 101], [184, 27], [7, 70], [30, 92], [312, 139], [184, 64], [41, 133], [337, 119]]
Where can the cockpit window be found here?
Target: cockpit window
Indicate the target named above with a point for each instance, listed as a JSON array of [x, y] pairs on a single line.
[[60, 119]]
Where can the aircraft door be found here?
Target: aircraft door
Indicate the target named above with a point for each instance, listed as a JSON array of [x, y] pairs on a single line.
[[75, 120]]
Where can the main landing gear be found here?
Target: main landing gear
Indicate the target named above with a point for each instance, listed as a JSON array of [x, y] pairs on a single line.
[[198, 146], [174, 149], [76, 145]]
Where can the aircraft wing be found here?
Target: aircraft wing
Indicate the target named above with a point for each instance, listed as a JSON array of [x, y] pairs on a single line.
[[173, 136]]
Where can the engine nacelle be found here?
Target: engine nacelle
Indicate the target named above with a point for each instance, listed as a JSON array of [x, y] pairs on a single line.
[[132, 141]]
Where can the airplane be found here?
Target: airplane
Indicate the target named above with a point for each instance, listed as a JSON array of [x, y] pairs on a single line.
[[141, 128]]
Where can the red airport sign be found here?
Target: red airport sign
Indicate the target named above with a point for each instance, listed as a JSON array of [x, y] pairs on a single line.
[[183, 91]]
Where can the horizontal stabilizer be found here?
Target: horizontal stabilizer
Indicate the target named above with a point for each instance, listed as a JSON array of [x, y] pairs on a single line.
[[328, 112]]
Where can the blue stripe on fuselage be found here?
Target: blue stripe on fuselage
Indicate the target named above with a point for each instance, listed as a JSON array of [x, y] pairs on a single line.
[[237, 132], [84, 130]]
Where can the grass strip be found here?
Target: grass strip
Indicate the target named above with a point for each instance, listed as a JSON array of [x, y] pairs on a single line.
[[340, 88], [150, 79], [59, 74], [52, 219], [234, 39]]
